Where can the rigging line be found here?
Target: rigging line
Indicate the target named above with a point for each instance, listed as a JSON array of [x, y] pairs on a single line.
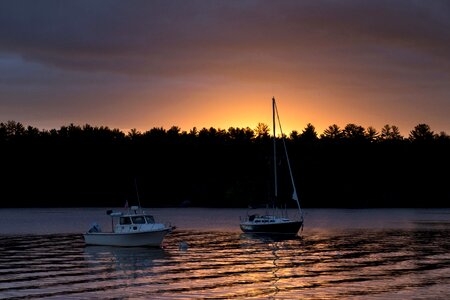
[[294, 194]]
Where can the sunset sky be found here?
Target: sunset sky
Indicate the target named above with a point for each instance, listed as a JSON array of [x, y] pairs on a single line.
[[144, 64]]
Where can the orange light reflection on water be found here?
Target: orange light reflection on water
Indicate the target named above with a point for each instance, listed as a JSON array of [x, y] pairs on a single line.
[[325, 265]]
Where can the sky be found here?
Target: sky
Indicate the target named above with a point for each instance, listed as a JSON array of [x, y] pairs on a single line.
[[218, 63]]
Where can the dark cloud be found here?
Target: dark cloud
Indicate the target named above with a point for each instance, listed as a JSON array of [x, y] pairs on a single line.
[[69, 55], [188, 36]]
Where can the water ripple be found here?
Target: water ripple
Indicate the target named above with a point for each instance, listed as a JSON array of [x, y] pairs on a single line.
[[364, 264]]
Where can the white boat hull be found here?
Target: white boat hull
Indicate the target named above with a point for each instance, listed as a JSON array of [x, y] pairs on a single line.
[[127, 239]]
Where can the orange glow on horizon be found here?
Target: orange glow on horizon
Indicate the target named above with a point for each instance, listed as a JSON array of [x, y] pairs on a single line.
[[227, 105], [164, 70]]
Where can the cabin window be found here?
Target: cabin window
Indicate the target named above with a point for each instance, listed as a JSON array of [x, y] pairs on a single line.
[[125, 220], [138, 220], [150, 219]]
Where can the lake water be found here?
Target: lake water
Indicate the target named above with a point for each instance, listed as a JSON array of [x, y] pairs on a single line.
[[340, 254]]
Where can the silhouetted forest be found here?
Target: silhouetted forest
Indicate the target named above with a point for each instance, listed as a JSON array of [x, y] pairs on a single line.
[[342, 167]]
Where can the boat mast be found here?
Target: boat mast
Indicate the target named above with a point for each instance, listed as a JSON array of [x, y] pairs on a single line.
[[274, 151], [294, 192]]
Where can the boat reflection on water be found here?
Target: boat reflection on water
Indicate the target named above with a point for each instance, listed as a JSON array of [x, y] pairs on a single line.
[[270, 237], [273, 255], [125, 258]]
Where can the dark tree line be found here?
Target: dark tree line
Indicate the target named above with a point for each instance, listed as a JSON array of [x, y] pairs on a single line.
[[342, 167]]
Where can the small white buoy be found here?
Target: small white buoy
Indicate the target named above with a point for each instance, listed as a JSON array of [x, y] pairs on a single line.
[[183, 246]]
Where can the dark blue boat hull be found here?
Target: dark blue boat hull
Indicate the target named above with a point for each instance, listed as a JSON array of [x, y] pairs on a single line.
[[279, 228]]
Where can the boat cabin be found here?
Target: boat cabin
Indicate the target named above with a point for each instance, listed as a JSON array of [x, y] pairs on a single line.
[[136, 219], [133, 221]]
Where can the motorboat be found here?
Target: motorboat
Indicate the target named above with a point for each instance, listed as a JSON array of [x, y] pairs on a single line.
[[134, 228]]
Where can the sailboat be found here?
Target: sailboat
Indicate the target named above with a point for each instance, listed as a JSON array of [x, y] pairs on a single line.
[[276, 221]]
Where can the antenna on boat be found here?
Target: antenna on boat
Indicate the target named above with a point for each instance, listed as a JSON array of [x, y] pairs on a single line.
[[137, 192]]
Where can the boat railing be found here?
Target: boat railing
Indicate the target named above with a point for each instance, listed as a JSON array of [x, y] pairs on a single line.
[[169, 225], [94, 228]]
